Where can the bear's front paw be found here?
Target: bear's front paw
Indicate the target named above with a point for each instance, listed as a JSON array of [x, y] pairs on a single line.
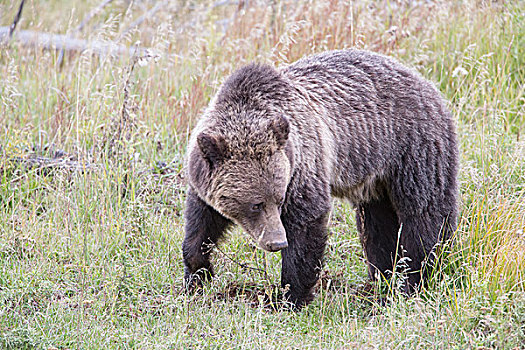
[[296, 301], [195, 281]]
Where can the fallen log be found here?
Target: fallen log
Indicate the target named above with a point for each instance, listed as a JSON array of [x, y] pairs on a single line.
[[40, 40]]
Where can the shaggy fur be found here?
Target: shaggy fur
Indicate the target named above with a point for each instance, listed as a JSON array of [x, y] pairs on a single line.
[[276, 144]]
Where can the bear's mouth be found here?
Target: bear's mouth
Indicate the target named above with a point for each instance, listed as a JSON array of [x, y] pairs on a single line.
[[276, 246]]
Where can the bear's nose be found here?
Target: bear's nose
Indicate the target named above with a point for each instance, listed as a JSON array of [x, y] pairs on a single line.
[[276, 246]]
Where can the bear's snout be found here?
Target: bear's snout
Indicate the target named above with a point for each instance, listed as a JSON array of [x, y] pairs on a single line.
[[273, 240], [276, 245]]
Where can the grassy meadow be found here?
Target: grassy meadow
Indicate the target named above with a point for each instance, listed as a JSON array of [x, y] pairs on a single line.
[[92, 186]]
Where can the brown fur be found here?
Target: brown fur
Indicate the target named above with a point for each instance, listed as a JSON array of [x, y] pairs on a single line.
[[351, 124]]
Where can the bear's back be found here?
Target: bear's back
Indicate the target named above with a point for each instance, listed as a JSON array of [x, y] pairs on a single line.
[[376, 110], [366, 80]]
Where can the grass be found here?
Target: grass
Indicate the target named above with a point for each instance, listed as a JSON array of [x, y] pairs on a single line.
[[91, 258]]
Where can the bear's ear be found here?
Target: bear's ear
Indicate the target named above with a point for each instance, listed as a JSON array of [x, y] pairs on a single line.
[[212, 147], [281, 129]]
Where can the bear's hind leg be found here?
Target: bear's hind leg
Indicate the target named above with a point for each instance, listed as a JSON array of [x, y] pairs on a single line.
[[204, 227], [378, 227], [420, 237]]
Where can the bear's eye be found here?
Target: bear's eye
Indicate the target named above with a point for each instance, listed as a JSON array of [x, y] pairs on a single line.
[[257, 207]]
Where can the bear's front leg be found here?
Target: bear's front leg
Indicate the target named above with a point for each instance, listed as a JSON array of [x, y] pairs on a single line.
[[302, 261], [204, 227]]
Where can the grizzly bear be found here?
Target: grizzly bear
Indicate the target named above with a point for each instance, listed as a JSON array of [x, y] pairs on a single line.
[[275, 144]]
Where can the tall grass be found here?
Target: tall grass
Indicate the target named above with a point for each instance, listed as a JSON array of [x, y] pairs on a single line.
[[90, 257]]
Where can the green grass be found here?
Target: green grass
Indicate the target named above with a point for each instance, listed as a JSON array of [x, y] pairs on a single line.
[[91, 259]]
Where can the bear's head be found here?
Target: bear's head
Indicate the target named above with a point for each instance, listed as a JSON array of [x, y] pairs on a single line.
[[243, 170]]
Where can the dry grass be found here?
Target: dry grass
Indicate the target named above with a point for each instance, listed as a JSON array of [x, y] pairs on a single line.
[[90, 255]]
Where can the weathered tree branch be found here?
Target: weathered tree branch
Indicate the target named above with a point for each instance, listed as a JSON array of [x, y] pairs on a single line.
[[91, 14], [17, 18], [45, 165], [145, 16]]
